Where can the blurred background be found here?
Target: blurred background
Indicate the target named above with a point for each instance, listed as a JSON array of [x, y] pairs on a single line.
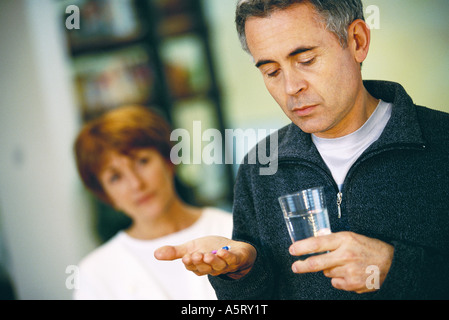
[[179, 56]]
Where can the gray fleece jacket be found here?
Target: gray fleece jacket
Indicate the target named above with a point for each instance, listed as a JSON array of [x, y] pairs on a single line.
[[397, 192]]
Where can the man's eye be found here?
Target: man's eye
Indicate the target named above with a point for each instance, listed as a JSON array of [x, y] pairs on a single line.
[[272, 74], [308, 62]]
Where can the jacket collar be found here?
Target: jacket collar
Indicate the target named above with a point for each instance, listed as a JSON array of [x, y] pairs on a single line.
[[403, 127]]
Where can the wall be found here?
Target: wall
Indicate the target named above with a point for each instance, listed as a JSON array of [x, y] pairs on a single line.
[[44, 215], [412, 48]]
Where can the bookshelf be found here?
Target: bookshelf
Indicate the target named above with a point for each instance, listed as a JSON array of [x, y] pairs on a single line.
[[154, 53]]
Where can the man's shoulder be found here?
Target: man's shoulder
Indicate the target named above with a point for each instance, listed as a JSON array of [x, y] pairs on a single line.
[[268, 143], [434, 123], [281, 136], [429, 113]]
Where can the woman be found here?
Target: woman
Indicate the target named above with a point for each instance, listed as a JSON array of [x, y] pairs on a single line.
[[123, 157]]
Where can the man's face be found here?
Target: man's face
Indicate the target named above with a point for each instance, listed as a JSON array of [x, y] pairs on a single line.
[[316, 82]]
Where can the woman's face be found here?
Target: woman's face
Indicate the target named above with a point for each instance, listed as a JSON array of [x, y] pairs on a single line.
[[140, 184]]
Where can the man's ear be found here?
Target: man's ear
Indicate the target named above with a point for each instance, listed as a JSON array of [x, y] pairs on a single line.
[[359, 38]]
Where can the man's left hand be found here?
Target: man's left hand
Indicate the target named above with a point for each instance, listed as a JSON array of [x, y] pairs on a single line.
[[349, 256]]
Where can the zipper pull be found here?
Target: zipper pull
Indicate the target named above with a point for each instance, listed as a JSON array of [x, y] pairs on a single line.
[[339, 198]]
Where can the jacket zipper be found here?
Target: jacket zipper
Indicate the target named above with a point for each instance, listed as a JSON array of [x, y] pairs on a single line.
[[339, 199]]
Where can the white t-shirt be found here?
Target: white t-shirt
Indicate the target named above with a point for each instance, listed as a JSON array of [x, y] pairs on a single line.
[[125, 267], [339, 154]]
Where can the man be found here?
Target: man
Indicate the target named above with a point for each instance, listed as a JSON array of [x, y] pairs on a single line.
[[383, 161]]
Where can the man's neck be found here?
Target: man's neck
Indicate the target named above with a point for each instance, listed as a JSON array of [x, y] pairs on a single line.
[[363, 108]]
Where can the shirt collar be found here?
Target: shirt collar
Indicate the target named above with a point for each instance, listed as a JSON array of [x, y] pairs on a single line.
[[403, 127]]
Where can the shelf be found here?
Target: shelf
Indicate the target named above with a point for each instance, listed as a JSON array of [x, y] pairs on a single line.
[[104, 44], [179, 25], [104, 23], [167, 8], [108, 80]]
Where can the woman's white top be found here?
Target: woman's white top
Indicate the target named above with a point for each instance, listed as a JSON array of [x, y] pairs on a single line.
[[125, 267]]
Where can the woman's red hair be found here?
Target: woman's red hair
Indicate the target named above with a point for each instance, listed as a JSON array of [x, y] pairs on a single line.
[[122, 130]]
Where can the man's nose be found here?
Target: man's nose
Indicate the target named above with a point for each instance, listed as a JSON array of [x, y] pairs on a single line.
[[294, 82]]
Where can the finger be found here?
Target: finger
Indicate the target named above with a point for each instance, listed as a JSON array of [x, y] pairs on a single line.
[[197, 258], [204, 269], [217, 263], [339, 283], [317, 263], [349, 284], [170, 252], [324, 243], [202, 263], [336, 272], [223, 261], [190, 265], [230, 258], [207, 263]]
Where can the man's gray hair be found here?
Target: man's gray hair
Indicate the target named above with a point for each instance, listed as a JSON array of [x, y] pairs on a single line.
[[336, 14]]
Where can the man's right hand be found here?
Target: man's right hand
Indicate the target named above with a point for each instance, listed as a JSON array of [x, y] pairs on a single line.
[[198, 257]]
